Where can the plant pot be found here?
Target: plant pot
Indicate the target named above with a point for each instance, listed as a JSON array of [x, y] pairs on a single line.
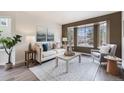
[[8, 66]]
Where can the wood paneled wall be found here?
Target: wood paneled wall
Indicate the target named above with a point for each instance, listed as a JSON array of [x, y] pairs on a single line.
[[115, 30]]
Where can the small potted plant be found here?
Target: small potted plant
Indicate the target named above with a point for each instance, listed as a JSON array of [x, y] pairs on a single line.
[[8, 44]]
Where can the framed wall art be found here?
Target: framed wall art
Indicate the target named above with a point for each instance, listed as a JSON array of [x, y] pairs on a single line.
[[50, 36], [41, 34]]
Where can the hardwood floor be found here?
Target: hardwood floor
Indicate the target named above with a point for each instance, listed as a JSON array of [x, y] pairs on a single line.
[[102, 75], [22, 73], [17, 74]]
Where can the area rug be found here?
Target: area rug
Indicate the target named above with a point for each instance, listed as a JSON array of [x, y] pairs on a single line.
[[84, 71]]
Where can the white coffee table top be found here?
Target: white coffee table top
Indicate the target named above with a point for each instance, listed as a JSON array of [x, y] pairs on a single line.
[[69, 57]]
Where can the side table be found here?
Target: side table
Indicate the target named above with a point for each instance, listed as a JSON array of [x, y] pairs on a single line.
[[112, 64], [30, 56]]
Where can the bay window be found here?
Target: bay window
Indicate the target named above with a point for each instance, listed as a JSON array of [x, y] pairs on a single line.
[[85, 36], [89, 35]]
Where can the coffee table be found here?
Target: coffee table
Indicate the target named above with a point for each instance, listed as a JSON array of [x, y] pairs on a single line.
[[67, 59]]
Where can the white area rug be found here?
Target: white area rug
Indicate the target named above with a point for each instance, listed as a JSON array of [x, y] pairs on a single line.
[[84, 71]]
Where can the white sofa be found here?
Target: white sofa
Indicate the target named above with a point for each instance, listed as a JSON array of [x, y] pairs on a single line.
[[42, 56]]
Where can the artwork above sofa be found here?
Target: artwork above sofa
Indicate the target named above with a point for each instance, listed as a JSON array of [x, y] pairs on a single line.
[[43, 35]]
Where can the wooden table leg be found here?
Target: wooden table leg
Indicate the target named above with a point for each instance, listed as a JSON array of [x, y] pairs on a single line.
[[28, 61], [112, 67], [25, 58], [25, 63], [35, 57]]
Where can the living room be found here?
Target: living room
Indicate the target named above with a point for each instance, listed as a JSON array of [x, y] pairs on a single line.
[[56, 40]]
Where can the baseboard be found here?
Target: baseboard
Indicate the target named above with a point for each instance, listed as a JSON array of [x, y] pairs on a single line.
[[19, 63], [1, 66]]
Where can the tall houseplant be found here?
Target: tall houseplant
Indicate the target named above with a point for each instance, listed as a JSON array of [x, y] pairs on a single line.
[[0, 32], [8, 44]]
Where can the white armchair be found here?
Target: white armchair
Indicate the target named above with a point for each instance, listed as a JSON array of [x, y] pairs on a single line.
[[98, 54]]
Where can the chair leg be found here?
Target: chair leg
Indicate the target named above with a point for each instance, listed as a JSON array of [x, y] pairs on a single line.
[[100, 64], [93, 59]]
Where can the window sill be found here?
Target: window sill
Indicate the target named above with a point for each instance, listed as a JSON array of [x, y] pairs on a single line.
[[84, 47]]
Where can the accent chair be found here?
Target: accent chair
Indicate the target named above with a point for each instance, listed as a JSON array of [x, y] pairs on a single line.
[[98, 54]]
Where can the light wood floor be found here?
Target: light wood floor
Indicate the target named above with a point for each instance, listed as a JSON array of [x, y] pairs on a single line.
[[17, 74], [102, 75], [22, 73]]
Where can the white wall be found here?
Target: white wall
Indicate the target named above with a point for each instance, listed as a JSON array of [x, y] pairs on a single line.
[[6, 33], [25, 24]]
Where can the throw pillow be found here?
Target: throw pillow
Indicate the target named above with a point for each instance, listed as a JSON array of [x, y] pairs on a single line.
[[50, 46], [33, 47], [58, 45], [45, 47], [54, 45], [104, 49]]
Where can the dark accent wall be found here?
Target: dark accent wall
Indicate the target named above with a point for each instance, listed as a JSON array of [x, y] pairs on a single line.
[[115, 30]]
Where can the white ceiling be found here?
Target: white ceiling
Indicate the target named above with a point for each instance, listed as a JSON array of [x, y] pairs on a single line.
[[57, 17], [63, 17]]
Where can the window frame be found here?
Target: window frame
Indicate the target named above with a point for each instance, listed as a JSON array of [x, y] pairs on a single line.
[[107, 34], [85, 27]]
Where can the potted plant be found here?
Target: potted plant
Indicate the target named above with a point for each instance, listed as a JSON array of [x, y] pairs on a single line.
[[8, 44], [0, 32]]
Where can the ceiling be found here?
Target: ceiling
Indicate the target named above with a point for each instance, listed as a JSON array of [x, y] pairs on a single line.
[[63, 17], [56, 17]]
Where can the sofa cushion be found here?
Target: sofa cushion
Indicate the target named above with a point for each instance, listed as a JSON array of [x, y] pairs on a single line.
[[96, 54], [104, 49], [57, 45], [48, 53], [60, 50]]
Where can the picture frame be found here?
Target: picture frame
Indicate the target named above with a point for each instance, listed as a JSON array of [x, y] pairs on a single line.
[[41, 34], [50, 36], [44, 35], [4, 22]]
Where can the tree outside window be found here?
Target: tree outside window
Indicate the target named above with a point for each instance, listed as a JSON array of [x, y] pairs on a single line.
[[103, 34], [85, 36]]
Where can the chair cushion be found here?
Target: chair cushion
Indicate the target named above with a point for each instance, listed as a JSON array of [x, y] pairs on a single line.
[[104, 49], [96, 54], [48, 53]]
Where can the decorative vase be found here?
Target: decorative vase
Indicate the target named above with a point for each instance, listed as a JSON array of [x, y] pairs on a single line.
[[69, 51]]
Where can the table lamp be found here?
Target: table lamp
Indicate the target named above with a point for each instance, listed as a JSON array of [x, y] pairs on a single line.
[[64, 39], [30, 40]]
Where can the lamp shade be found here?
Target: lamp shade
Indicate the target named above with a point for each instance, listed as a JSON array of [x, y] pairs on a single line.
[[64, 39], [30, 39]]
